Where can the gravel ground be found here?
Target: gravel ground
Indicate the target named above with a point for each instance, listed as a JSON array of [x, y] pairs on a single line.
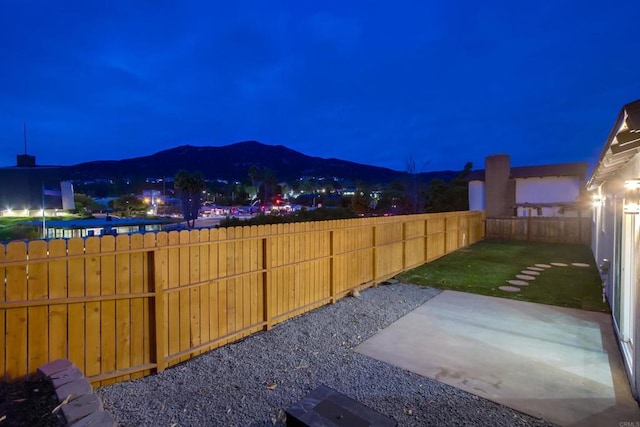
[[252, 382]]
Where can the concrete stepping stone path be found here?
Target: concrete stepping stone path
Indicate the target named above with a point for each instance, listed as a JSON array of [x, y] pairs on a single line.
[[529, 274]]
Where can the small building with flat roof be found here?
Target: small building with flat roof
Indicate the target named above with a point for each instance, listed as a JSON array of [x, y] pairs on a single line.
[[67, 229]]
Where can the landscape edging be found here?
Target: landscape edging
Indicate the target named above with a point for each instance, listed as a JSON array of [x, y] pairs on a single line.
[[79, 405]]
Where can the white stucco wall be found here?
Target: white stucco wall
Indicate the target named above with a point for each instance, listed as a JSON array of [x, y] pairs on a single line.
[[611, 229], [552, 189], [476, 195]]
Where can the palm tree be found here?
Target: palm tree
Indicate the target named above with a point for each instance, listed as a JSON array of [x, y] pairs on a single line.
[[254, 175], [190, 187]]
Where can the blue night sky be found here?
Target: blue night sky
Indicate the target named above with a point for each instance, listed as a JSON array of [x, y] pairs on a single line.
[[368, 81]]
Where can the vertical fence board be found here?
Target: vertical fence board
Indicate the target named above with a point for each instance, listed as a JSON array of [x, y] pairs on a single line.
[[37, 321], [92, 312], [184, 294], [57, 282], [223, 325], [123, 312], [173, 297], [232, 282], [16, 323], [139, 314], [194, 297], [76, 323], [214, 285], [246, 279], [254, 284], [108, 307], [158, 264], [203, 258], [3, 314]]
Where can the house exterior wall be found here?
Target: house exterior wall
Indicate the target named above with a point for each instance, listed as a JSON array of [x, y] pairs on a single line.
[[616, 239], [476, 196], [547, 190]]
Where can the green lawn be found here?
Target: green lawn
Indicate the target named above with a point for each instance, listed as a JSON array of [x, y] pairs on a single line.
[[482, 267]]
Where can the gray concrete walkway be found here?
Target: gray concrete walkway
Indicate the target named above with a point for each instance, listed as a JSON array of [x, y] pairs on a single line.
[[559, 364]]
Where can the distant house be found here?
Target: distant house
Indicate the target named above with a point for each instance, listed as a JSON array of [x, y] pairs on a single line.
[[546, 190], [59, 229], [615, 237]]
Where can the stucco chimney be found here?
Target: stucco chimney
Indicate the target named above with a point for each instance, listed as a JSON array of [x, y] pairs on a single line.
[[499, 187]]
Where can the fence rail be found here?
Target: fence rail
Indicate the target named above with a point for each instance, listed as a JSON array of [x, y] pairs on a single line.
[[122, 307], [540, 229]]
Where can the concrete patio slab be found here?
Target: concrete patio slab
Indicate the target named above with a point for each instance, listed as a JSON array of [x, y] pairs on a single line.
[[559, 364]]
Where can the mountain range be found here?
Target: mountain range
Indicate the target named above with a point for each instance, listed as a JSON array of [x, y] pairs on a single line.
[[232, 163]]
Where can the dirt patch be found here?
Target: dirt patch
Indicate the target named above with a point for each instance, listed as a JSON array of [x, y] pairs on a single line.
[[28, 404]]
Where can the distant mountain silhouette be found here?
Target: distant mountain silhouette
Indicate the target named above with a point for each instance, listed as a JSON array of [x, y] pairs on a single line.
[[232, 162]]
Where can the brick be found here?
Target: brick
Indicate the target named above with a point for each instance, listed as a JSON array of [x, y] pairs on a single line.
[[97, 419], [66, 376], [81, 407], [45, 371], [75, 388]]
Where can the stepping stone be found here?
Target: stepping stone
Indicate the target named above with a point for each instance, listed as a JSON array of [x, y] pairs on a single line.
[[509, 288], [543, 265], [518, 282], [530, 272], [325, 405], [580, 264], [535, 268], [559, 264], [525, 277]]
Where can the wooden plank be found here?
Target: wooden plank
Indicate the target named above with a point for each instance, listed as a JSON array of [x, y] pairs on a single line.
[[246, 280], [139, 312], [231, 283], [92, 314], [255, 284], [16, 318], [158, 265], [173, 297], [76, 323], [37, 317], [183, 307], [236, 261], [223, 324], [205, 276], [58, 321], [107, 308], [214, 275], [265, 256], [194, 297], [123, 311], [3, 314]]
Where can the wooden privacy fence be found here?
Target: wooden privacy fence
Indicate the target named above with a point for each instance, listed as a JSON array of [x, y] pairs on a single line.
[[540, 229], [122, 307]]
